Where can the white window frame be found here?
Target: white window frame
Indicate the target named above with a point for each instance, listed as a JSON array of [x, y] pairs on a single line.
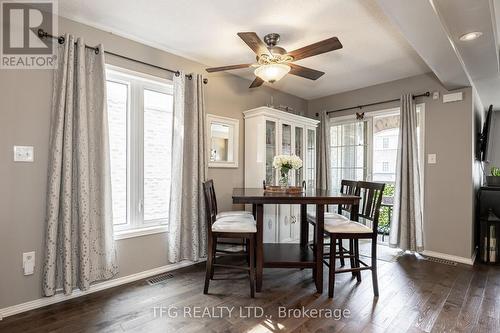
[[368, 139], [137, 82]]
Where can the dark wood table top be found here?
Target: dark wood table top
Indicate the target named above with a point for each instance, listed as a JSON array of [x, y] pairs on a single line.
[[310, 196]]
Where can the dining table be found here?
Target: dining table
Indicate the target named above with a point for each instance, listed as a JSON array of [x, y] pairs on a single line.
[[293, 255]]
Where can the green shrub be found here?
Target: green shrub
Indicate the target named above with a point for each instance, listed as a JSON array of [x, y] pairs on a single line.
[[384, 224], [495, 171]]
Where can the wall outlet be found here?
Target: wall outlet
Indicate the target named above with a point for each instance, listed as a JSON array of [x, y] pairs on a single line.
[[29, 263], [435, 95], [431, 159], [23, 153]]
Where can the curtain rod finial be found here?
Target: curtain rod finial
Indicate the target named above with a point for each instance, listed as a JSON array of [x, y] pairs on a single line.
[[205, 81], [177, 73]]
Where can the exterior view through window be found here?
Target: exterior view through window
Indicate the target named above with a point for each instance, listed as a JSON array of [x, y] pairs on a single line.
[[140, 133]]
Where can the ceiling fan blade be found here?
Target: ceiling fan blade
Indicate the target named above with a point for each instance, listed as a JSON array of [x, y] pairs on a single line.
[[254, 42], [227, 68], [257, 82], [327, 45], [305, 72]]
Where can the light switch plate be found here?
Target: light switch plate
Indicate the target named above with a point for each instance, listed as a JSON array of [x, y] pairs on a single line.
[[435, 95], [29, 263], [431, 159], [24, 154]]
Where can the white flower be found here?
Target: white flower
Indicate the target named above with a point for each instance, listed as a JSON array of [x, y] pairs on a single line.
[[287, 162]]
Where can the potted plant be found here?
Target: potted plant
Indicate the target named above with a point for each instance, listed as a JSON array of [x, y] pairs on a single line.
[[285, 163], [494, 179]]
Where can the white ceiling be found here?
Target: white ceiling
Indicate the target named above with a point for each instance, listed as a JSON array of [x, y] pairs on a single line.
[[205, 31], [480, 57]]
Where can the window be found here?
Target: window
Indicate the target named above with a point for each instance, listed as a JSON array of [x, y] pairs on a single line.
[[348, 151], [385, 143], [385, 166], [140, 111]]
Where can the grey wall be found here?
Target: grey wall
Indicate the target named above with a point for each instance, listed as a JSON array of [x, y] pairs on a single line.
[[25, 97], [449, 133]]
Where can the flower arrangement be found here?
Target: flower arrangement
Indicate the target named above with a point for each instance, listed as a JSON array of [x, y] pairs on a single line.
[[285, 163]]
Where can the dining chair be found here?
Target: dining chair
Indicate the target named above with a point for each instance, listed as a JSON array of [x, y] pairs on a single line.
[[240, 226], [346, 187], [225, 213], [369, 209]]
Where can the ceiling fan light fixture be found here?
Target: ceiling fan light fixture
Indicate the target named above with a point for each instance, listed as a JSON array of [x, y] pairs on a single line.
[[272, 72]]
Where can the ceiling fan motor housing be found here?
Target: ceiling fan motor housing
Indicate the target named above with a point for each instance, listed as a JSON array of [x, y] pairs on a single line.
[[272, 39]]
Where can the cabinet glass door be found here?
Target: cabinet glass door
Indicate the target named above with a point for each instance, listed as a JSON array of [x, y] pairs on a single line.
[[311, 158], [270, 151], [286, 139], [299, 151]]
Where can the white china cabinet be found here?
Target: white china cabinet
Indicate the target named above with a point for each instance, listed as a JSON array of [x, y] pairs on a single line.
[[270, 132]]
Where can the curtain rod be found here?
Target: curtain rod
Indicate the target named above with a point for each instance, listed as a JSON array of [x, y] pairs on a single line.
[[61, 40], [425, 94]]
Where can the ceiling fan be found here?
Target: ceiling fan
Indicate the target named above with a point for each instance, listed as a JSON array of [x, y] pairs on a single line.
[[274, 62]]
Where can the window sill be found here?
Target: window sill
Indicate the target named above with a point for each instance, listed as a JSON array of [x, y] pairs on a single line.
[[124, 234]]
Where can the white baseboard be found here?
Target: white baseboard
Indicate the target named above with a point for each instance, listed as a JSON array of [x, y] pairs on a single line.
[[59, 297], [462, 260]]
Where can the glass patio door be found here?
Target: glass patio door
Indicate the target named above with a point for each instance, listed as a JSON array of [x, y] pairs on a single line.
[[349, 151]]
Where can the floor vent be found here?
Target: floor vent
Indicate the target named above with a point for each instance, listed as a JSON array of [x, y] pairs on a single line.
[[441, 261], [159, 279]]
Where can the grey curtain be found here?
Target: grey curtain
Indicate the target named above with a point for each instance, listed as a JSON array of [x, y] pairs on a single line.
[[407, 226], [187, 228], [323, 154], [79, 230]]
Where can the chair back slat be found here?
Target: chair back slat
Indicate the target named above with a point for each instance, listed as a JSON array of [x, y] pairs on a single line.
[[210, 202], [371, 200], [347, 187]]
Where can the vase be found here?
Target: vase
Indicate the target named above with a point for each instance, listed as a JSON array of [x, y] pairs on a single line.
[[283, 182]]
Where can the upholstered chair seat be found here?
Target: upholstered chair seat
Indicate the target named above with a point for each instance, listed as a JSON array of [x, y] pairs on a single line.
[[328, 215], [346, 227], [242, 224], [234, 213]]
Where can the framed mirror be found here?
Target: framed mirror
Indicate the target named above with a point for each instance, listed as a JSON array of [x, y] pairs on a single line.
[[222, 141]]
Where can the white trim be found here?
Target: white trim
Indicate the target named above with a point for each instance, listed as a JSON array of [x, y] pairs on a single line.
[[44, 301], [124, 234], [462, 260], [129, 74], [268, 111]]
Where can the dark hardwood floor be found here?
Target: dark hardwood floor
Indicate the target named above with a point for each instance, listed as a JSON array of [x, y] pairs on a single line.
[[416, 295]]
